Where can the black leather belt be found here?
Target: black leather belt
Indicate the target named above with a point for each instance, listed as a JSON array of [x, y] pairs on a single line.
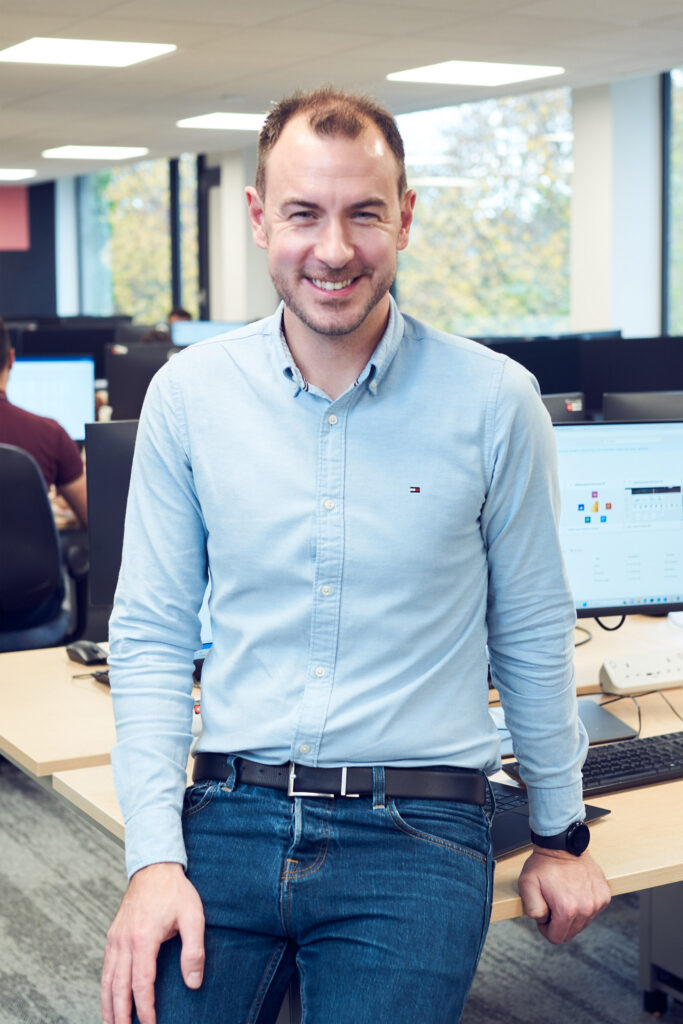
[[444, 783]]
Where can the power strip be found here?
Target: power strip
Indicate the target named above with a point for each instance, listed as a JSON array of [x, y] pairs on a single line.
[[657, 670]]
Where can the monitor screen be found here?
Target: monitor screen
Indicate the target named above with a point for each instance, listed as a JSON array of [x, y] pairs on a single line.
[[186, 332], [63, 389], [621, 526]]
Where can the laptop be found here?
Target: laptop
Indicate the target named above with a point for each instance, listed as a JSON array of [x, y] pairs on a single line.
[[510, 830]]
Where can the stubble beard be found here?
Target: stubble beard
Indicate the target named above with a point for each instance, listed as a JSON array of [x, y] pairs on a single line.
[[330, 323]]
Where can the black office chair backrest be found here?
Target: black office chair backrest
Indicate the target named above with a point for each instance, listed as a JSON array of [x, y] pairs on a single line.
[[30, 566]]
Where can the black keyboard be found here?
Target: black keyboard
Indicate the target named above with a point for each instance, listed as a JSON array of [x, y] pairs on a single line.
[[508, 798], [628, 763]]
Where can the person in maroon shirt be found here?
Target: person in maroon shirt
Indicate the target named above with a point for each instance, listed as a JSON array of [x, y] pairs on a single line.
[[49, 444]]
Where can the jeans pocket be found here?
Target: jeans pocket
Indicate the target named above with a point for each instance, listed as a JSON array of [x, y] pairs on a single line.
[[462, 828], [199, 795]]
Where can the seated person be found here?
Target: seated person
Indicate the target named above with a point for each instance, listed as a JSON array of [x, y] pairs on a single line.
[[43, 438], [178, 313]]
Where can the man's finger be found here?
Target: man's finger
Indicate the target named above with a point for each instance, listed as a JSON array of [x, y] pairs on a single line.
[[533, 901], [191, 929], [121, 988], [144, 974]]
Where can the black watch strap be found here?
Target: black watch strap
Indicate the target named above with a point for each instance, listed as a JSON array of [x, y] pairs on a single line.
[[573, 840]]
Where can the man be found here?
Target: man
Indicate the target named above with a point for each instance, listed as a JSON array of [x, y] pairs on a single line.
[[374, 503], [43, 438]]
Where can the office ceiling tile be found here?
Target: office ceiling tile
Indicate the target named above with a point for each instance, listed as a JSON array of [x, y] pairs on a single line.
[[250, 12], [615, 12]]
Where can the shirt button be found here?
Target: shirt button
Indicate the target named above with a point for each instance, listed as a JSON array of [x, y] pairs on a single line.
[[329, 504], [326, 590], [320, 671], [304, 748], [332, 419], [373, 385]]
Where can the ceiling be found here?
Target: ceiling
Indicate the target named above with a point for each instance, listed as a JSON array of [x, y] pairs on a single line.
[[239, 55]]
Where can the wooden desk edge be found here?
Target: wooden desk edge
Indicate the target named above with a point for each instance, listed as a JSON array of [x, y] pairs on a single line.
[[109, 822]]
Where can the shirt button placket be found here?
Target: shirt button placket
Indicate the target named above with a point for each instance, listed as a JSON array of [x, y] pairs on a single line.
[[328, 566]]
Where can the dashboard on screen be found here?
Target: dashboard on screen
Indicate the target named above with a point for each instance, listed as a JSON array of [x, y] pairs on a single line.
[[621, 525], [61, 388]]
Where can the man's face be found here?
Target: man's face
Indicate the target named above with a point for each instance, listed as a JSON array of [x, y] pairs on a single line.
[[332, 223]]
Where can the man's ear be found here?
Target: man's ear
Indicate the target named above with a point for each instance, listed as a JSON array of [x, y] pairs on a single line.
[[12, 357], [256, 217], [407, 207]]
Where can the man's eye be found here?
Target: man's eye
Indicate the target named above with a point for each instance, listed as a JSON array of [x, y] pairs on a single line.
[[366, 215], [303, 215]]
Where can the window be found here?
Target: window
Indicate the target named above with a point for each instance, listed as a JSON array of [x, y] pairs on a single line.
[[674, 317], [125, 240], [189, 242], [489, 247]]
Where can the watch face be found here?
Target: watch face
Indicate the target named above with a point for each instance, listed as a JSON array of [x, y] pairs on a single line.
[[578, 837]]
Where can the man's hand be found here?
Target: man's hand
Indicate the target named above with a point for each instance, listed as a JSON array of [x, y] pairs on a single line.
[[159, 903], [562, 893]]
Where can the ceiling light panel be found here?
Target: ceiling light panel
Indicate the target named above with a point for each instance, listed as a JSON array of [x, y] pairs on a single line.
[[16, 174], [469, 72], [98, 53], [94, 152], [225, 122]]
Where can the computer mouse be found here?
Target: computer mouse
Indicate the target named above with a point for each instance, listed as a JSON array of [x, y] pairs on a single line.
[[87, 653]]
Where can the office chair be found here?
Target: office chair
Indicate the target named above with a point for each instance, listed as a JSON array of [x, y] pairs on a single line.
[[43, 592]]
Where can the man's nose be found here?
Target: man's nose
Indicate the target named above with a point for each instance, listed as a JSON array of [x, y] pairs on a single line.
[[333, 246]]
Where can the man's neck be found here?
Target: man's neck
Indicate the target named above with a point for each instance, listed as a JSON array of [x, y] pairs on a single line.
[[331, 364]]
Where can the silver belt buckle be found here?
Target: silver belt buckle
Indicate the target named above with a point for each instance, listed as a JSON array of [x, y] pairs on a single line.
[[292, 792]]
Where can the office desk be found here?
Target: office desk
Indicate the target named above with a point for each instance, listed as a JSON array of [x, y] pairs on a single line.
[[639, 634], [49, 720], [640, 844]]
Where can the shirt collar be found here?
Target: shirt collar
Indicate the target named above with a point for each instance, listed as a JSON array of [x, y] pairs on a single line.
[[373, 372]]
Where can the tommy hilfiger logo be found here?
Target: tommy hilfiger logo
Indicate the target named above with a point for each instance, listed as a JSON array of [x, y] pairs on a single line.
[[414, 490]]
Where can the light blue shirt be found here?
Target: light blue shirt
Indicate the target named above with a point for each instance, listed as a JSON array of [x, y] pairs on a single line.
[[364, 555]]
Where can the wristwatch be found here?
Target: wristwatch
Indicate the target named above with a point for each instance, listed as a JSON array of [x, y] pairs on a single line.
[[574, 839]]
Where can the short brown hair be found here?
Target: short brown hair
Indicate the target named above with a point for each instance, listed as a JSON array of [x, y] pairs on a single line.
[[5, 345], [330, 112]]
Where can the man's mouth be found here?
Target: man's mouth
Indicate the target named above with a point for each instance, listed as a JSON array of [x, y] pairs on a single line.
[[331, 286]]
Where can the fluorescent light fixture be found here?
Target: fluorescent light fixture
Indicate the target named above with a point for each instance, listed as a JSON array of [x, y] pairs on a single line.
[[470, 72], [441, 181], [16, 174], [225, 122], [98, 53], [93, 152]]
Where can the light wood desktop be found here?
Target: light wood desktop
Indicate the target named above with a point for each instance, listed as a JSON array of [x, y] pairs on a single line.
[[639, 845], [51, 720], [54, 723]]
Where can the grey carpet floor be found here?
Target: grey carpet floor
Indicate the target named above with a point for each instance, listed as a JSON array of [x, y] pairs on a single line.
[[61, 880]]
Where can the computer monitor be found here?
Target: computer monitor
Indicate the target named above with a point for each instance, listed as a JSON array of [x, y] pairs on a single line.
[[629, 364], [621, 525], [566, 407], [554, 362], [109, 456], [642, 405], [109, 451], [69, 341], [129, 370], [186, 332], [63, 389]]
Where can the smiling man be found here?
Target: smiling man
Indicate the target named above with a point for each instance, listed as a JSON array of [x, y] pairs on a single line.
[[374, 503]]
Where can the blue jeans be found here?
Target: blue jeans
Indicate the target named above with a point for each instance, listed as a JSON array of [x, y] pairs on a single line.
[[381, 906]]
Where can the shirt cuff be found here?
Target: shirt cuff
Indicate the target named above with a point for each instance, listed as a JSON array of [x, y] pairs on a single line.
[[154, 837], [553, 810]]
